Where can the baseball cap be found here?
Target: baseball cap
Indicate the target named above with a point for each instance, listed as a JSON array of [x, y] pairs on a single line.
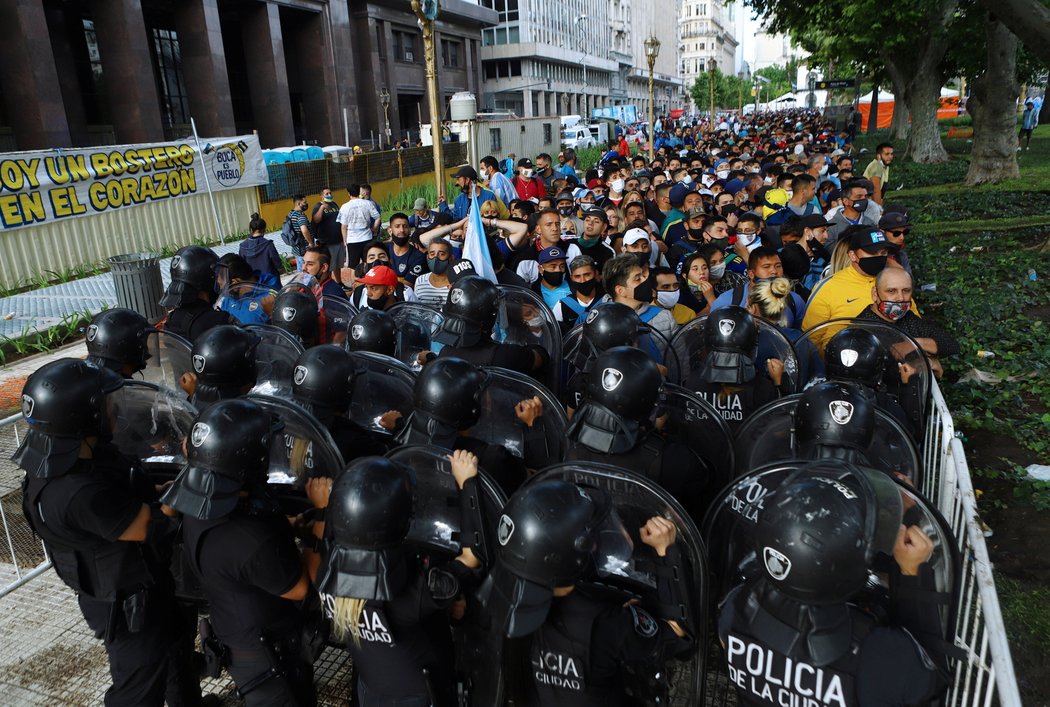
[[466, 171], [634, 235], [695, 212], [814, 221], [525, 162], [597, 213], [379, 275], [678, 194], [595, 183], [563, 195], [548, 254], [867, 238], [892, 220], [420, 204]]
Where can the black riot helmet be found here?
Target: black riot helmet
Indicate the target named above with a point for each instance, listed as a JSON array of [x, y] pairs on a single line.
[[855, 355], [223, 358], [192, 272], [547, 537], [228, 450], [470, 312], [818, 532], [446, 401], [295, 311], [117, 338], [323, 379], [730, 337], [834, 419], [626, 381], [373, 330], [368, 517], [607, 325]]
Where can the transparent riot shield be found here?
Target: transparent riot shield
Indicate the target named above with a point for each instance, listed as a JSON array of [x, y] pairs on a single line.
[[436, 524], [632, 573], [275, 358], [149, 424], [905, 360], [384, 384], [768, 436], [540, 445], [416, 325], [728, 530], [690, 420], [652, 342], [247, 302], [169, 358], [690, 352], [336, 312], [303, 449], [525, 319]]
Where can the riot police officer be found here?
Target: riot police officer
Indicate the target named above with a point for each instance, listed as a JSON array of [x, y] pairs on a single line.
[[241, 545], [323, 383], [607, 325], [727, 378], [295, 311], [549, 535], [466, 332], [792, 635], [373, 330], [224, 365], [118, 339], [97, 514], [446, 403], [192, 293], [616, 424], [387, 601], [834, 420]]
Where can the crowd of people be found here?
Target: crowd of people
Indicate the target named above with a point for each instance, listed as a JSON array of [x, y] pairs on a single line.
[[731, 327]]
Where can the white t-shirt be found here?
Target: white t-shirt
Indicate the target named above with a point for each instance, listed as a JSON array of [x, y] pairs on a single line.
[[428, 294], [358, 215]]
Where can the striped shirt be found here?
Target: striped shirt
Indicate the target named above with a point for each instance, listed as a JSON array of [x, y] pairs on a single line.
[[428, 294]]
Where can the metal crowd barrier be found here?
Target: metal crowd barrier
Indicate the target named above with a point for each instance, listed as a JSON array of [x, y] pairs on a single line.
[[22, 555]]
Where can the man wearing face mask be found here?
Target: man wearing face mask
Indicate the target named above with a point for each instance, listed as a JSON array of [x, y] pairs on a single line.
[[496, 180], [586, 292], [694, 236], [407, 261], [628, 283], [677, 196], [616, 185], [669, 295], [545, 172], [892, 303], [380, 289], [525, 184], [846, 293], [551, 285], [466, 179], [853, 212], [896, 227], [636, 242], [565, 204], [676, 230]]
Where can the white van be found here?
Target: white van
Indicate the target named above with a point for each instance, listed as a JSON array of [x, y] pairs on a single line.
[[577, 137]]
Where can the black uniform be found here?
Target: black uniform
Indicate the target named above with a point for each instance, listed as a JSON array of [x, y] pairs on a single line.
[[191, 320], [246, 561], [489, 353], [124, 589], [734, 403]]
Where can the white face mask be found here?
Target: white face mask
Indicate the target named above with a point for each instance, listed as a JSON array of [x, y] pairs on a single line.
[[747, 238], [687, 179], [717, 271], [617, 185], [668, 300], [824, 170], [768, 180], [534, 323], [790, 193], [526, 174], [722, 173]]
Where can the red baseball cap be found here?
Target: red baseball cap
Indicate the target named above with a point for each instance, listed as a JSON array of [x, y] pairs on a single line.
[[379, 275]]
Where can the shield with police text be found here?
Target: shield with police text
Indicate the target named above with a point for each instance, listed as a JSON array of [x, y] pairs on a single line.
[[169, 359], [416, 325], [688, 419], [767, 436], [149, 423], [526, 320], [690, 351], [539, 442], [384, 385], [336, 313], [728, 531], [626, 566], [275, 358]]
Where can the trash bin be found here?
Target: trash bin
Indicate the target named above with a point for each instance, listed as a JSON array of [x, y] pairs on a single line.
[[136, 278]]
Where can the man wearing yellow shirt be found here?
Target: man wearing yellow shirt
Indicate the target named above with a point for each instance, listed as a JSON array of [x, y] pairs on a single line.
[[848, 292]]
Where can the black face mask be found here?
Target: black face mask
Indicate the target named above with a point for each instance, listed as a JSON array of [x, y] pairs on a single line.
[[643, 259], [400, 241], [860, 205], [565, 210], [378, 303], [720, 243], [644, 291], [554, 279], [818, 249], [872, 265], [585, 288], [696, 234], [465, 188]]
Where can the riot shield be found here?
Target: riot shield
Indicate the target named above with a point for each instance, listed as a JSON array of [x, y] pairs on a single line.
[[248, 302], [691, 421], [336, 312], [690, 352], [526, 320], [169, 358], [416, 325], [384, 384], [905, 357], [303, 449], [768, 436], [633, 574], [540, 445], [149, 424], [275, 358], [728, 530], [650, 342], [436, 523]]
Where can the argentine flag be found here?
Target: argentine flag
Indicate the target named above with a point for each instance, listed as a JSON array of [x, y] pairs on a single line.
[[475, 246]]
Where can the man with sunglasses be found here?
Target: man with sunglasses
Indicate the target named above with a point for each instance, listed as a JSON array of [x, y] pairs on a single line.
[[896, 227]]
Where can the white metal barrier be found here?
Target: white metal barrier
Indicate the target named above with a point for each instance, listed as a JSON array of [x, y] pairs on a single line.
[[987, 672], [23, 555]]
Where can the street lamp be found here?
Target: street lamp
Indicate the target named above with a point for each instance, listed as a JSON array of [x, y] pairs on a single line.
[[652, 50], [384, 99], [426, 13], [579, 25], [711, 69]]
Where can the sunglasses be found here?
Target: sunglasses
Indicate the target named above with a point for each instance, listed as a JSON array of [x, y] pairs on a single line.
[[901, 232]]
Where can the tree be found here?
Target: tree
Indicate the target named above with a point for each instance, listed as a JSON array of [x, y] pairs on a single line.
[[1029, 20], [993, 105], [727, 90]]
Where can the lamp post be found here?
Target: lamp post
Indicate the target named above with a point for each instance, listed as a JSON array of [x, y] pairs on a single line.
[[384, 99], [652, 50], [579, 26], [426, 13], [711, 85]]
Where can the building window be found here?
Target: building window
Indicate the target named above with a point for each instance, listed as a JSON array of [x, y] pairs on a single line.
[[495, 144], [169, 74], [95, 104], [451, 53], [404, 47], [547, 138], [379, 42]]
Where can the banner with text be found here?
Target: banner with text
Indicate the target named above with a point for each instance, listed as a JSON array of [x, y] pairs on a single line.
[[50, 185]]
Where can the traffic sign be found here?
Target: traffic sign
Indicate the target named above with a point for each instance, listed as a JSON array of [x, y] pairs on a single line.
[[836, 83]]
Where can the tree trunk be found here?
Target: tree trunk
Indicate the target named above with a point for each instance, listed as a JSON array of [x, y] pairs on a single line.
[[1028, 19], [994, 109], [922, 96], [901, 122], [873, 115]]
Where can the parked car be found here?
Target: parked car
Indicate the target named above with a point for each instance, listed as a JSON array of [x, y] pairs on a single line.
[[577, 137]]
